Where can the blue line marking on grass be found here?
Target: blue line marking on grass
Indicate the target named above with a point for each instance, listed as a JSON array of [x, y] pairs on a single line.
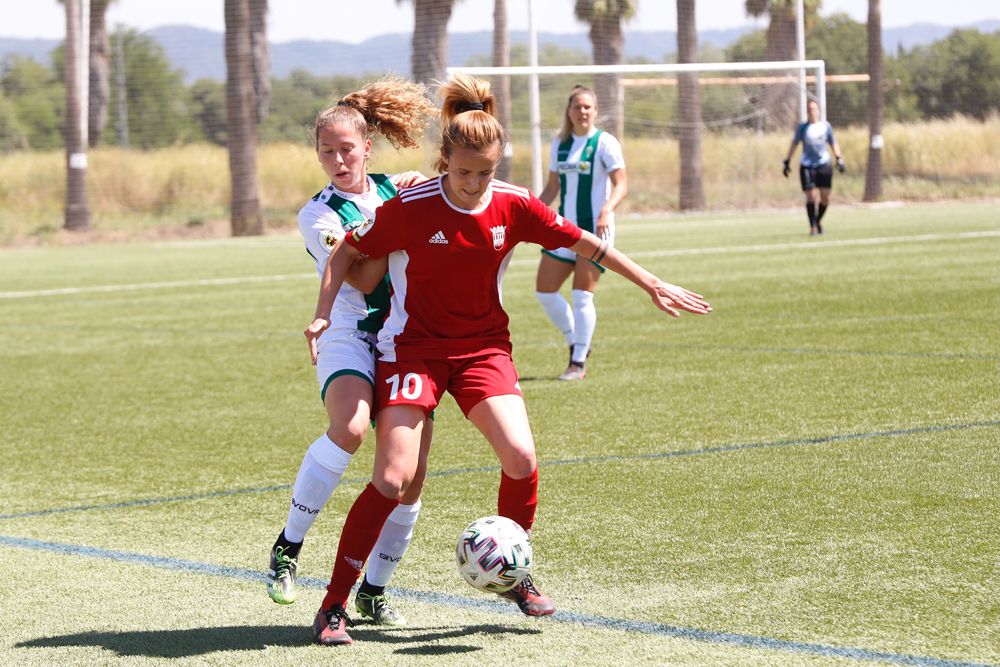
[[149, 501], [978, 356], [721, 449], [589, 620], [778, 443]]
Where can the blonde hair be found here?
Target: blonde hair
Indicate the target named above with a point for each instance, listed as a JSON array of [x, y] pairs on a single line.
[[468, 117], [567, 126], [396, 108]]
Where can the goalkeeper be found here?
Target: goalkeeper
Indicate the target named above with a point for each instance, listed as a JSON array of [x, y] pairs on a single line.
[[815, 170]]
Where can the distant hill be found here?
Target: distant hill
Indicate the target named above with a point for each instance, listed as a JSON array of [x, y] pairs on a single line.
[[199, 53]]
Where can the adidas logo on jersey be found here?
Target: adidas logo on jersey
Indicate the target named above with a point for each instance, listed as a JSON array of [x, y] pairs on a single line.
[[438, 238]]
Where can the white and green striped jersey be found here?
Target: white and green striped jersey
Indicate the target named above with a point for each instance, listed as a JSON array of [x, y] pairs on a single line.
[[583, 164], [326, 219]]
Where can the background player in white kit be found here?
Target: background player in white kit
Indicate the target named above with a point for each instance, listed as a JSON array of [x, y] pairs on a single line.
[[587, 171], [400, 111]]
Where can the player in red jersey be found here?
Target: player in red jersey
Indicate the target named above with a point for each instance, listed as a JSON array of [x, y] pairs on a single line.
[[449, 241]]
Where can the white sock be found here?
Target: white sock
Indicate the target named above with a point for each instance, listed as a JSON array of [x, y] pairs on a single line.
[[392, 543], [559, 312], [322, 467], [584, 323]]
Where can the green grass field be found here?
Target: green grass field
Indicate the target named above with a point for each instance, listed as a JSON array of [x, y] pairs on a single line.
[[810, 475]]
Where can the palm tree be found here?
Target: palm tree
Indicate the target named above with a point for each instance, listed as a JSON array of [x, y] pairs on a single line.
[[781, 100], [77, 210], [608, 45], [876, 102], [261, 57], [429, 58], [501, 84], [692, 195], [100, 71], [241, 115]]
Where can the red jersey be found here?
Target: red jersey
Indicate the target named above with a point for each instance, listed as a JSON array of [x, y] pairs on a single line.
[[446, 265]]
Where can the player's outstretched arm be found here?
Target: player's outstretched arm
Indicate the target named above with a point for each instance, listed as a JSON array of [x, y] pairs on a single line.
[[337, 266], [667, 297]]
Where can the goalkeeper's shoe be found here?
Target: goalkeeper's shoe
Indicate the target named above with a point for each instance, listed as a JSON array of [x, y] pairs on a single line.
[[281, 574], [330, 627], [531, 600], [379, 609]]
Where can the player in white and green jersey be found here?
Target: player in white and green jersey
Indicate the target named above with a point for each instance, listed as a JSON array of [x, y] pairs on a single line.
[[587, 171], [345, 366]]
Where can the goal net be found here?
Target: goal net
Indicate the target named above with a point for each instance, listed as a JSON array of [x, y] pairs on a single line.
[[748, 113]]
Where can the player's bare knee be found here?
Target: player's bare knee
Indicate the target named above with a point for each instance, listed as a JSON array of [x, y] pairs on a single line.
[[520, 463], [348, 435], [392, 483]]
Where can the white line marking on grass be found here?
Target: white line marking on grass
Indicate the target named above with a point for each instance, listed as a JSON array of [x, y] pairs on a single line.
[[721, 250], [462, 602], [206, 282], [809, 245], [817, 245]]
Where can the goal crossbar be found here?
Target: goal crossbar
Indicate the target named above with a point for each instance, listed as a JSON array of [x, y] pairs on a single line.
[[533, 71], [646, 68]]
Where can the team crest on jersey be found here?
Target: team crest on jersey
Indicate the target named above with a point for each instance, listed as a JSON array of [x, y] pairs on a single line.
[[327, 239], [499, 236], [362, 229]]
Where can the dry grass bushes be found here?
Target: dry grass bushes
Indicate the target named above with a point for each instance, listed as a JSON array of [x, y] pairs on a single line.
[[187, 187]]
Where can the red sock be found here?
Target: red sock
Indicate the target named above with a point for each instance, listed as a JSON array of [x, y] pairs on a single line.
[[518, 498], [361, 531]]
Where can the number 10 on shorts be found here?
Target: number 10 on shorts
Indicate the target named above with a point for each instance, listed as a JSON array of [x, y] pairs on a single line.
[[410, 388]]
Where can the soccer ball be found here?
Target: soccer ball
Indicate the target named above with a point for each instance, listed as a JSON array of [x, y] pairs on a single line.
[[493, 554]]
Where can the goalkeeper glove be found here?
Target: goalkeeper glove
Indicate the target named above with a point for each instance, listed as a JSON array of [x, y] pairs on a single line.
[[787, 170], [841, 166]]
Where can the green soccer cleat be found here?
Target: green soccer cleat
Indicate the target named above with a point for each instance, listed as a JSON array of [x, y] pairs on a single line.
[[379, 609], [281, 576]]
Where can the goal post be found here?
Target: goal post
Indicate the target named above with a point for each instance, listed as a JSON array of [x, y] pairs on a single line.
[[793, 68]]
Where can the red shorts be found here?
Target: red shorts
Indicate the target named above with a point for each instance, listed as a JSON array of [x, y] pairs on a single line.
[[423, 382]]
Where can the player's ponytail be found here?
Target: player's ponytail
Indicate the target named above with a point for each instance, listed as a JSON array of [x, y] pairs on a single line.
[[395, 107], [567, 126], [467, 117]]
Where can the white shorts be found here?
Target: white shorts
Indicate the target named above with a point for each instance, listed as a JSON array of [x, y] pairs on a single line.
[[568, 256], [345, 352]]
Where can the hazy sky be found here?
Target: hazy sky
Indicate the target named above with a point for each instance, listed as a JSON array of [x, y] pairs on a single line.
[[350, 21]]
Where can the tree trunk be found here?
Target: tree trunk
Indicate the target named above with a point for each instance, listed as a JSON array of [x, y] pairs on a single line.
[[608, 45], [501, 84], [692, 194], [77, 210], [100, 71], [241, 114], [430, 39], [121, 94], [261, 58], [781, 100], [876, 102]]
